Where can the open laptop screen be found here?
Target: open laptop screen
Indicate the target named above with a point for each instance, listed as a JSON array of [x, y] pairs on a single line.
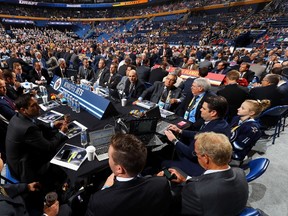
[[101, 137], [143, 126]]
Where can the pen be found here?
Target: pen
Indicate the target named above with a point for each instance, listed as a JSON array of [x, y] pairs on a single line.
[[73, 155]]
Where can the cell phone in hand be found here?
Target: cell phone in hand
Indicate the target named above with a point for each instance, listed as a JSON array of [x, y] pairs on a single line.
[[168, 175]]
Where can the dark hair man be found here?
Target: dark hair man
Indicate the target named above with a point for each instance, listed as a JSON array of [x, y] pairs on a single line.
[[125, 192]]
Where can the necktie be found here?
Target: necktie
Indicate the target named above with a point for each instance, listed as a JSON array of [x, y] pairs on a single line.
[[131, 87], [10, 102], [110, 78], [3, 192], [19, 78]]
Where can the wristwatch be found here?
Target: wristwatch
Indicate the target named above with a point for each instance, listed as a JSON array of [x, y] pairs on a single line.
[[174, 141]]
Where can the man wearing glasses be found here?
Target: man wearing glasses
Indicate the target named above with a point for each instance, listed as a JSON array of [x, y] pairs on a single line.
[[221, 190]]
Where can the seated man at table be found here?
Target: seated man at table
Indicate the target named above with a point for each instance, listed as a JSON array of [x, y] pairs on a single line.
[[164, 93], [7, 106], [213, 112], [133, 87], [31, 145], [14, 89], [125, 192], [221, 190], [111, 79], [85, 71]]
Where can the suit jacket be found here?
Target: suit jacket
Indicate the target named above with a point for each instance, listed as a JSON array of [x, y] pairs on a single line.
[[57, 72], [115, 79], [6, 109], [168, 52], [89, 71], [249, 75], [143, 73], [215, 194], [102, 73], [14, 204], [157, 74], [154, 93], [12, 93], [235, 96], [270, 92], [136, 91], [140, 196], [30, 147], [33, 75], [207, 64], [244, 137], [180, 111]]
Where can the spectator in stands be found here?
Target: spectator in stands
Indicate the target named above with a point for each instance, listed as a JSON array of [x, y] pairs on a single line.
[[14, 58], [221, 68], [221, 190], [191, 64], [158, 74], [234, 94], [122, 69], [164, 93], [267, 90], [38, 58], [39, 75], [127, 158], [112, 78], [190, 107], [245, 131], [165, 51], [213, 111], [282, 84], [85, 70], [13, 87], [143, 71], [52, 63], [61, 70], [7, 106], [206, 63], [245, 72]]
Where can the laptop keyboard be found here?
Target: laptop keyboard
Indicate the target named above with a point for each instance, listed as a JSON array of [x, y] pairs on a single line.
[[101, 150]]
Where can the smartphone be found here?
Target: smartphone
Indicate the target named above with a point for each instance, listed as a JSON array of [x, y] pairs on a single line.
[[66, 154], [168, 175]]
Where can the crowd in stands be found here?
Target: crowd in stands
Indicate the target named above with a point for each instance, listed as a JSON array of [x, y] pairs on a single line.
[[139, 71]]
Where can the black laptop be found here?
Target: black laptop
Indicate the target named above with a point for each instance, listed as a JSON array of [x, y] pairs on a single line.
[[145, 130]]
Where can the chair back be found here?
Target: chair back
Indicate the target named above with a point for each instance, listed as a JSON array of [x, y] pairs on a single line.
[[248, 211], [257, 168], [271, 116]]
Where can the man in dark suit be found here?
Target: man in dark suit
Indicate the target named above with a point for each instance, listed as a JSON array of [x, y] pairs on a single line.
[[164, 93], [14, 89], [234, 94], [31, 145], [221, 68], [61, 70], [133, 86], [190, 107], [158, 74], [151, 195], [221, 190], [245, 72], [38, 73], [85, 71], [143, 71], [213, 112], [20, 75], [7, 106], [165, 51], [111, 79], [101, 72], [267, 90]]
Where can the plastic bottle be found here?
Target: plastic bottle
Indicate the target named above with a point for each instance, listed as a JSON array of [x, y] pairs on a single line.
[[73, 105], [84, 137], [77, 106], [250, 86]]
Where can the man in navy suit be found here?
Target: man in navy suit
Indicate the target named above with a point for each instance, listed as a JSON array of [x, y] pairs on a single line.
[[221, 190], [7, 107], [213, 111]]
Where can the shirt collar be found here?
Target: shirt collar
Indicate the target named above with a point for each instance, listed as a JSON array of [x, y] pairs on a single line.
[[214, 171]]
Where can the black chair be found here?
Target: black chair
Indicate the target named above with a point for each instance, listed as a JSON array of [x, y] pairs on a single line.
[[273, 117]]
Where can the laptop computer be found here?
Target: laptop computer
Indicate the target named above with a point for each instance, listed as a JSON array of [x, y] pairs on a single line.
[[114, 95], [161, 125], [145, 130], [154, 112], [100, 139]]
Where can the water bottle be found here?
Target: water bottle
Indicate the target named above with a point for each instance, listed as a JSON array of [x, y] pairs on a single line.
[[73, 105], [250, 86], [83, 137], [68, 100], [45, 92], [77, 107]]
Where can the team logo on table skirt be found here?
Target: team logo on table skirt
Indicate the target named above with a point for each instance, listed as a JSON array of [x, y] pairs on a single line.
[[57, 84]]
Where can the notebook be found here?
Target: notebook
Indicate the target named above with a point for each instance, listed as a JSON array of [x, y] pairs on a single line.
[[100, 139], [145, 130]]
